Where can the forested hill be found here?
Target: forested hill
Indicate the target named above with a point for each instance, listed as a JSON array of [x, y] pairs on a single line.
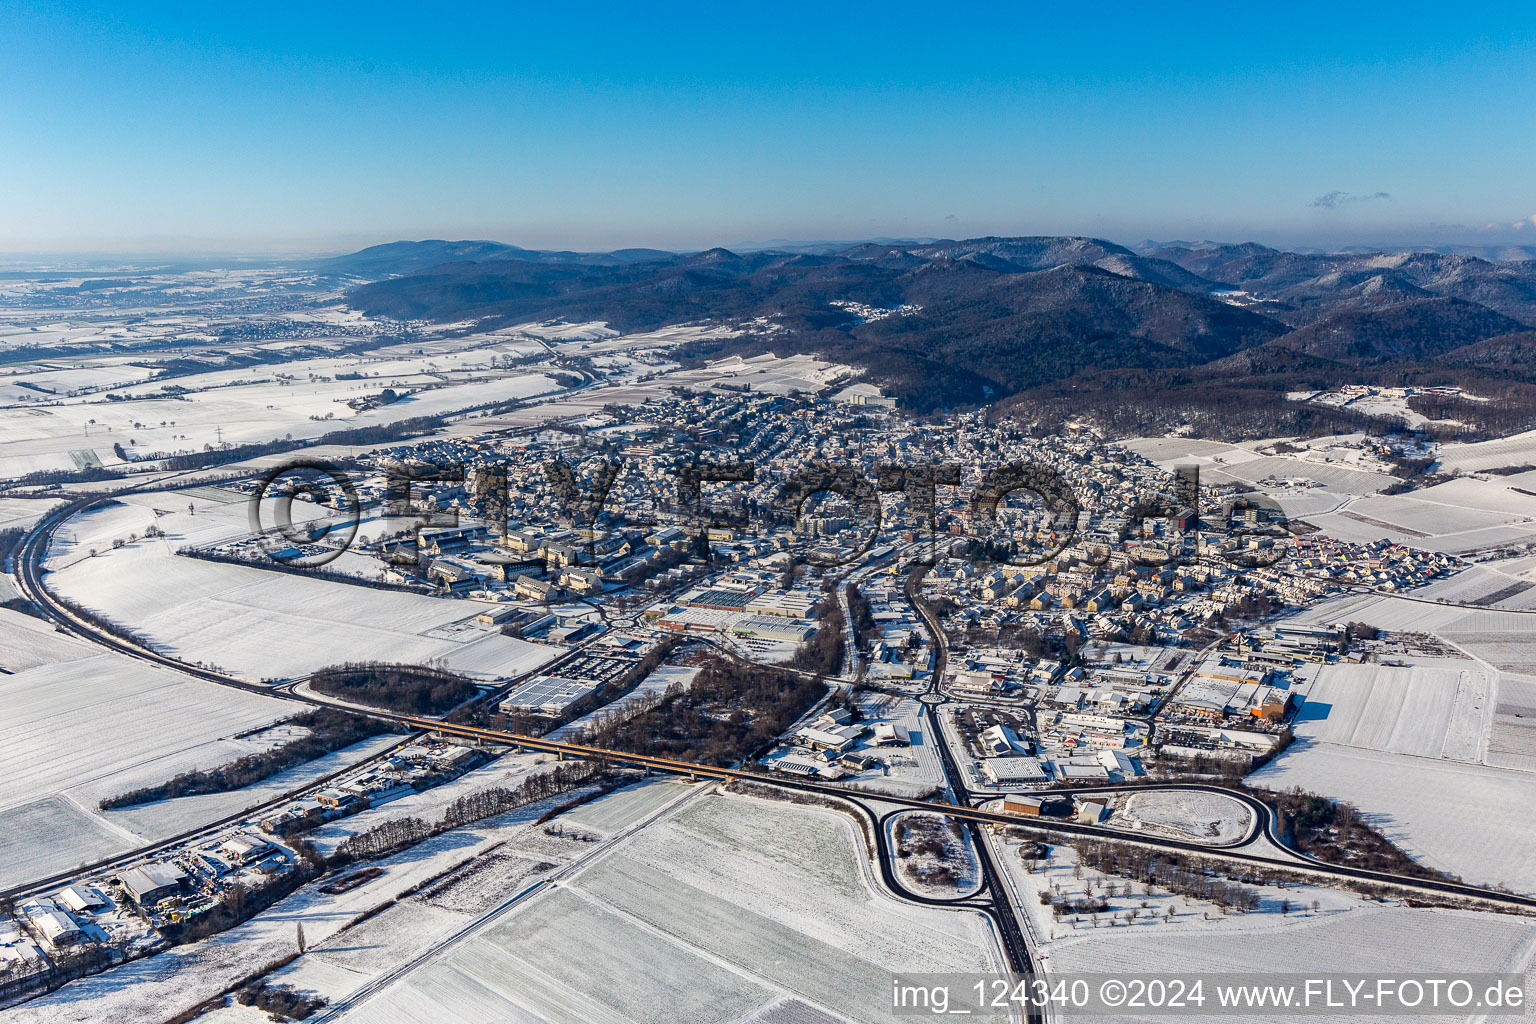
[[949, 322]]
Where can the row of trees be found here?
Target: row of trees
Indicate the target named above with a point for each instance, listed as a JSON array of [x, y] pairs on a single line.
[[824, 654], [400, 833], [329, 730], [863, 616]]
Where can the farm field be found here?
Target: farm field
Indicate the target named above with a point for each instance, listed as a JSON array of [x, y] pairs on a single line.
[[54, 424], [1432, 526], [254, 622], [1488, 586], [1336, 472], [1448, 815], [623, 808], [104, 723], [1441, 708], [559, 941], [1478, 456], [24, 513], [1458, 516], [1199, 938], [27, 641], [750, 901], [1414, 615], [72, 724], [1512, 740], [50, 835], [1510, 650], [340, 958], [1394, 940], [1451, 510]]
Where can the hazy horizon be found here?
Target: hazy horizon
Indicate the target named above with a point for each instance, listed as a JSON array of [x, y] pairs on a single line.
[[44, 260]]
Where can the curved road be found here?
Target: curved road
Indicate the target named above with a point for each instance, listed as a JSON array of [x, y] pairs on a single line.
[[29, 572]]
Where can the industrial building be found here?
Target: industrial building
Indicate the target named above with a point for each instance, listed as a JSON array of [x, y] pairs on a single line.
[[553, 696], [149, 884], [794, 604], [1013, 771]]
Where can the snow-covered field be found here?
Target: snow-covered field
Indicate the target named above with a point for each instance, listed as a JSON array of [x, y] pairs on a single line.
[[1434, 708], [1327, 931], [715, 913], [1203, 817], [50, 835], [1332, 465], [27, 642], [1459, 516], [1465, 819], [303, 398], [98, 725], [340, 959], [1392, 940], [623, 808], [1517, 450], [23, 513], [257, 623], [1488, 585], [1423, 616], [1512, 740]]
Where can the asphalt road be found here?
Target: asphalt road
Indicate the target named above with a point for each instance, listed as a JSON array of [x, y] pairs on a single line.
[[29, 572]]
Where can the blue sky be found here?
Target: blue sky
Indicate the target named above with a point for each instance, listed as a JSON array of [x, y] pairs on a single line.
[[272, 128]]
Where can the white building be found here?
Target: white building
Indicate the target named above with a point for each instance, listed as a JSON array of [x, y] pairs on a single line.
[[1012, 771]]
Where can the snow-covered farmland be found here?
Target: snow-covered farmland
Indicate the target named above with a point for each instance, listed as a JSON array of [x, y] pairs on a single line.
[[344, 954], [1436, 708], [104, 723], [1393, 940], [1512, 740], [305, 398], [1326, 930], [254, 622], [23, 513], [1488, 586], [27, 642], [46, 836], [717, 912], [1335, 466], [1415, 614], [623, 808], [1516, 450], [1458, 516], [1466, 819]]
